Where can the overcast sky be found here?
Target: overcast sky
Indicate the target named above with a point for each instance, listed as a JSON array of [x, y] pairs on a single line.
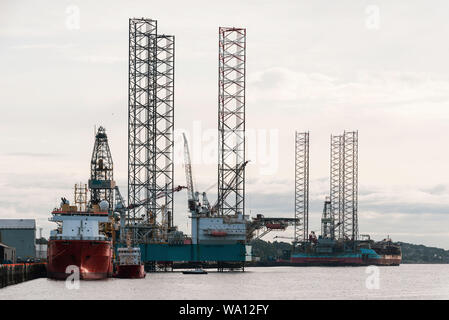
[[380, 67]]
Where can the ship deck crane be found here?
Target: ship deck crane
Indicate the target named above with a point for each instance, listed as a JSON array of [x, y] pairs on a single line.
[[193, 199], [259, 223], [192, 196], [188, 168]]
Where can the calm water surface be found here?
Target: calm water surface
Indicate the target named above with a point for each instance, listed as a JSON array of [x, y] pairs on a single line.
[[403, 282]]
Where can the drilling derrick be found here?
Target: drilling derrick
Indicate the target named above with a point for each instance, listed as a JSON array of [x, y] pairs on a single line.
[[327, 225], [231, 120], [301, 187], [101, 181]]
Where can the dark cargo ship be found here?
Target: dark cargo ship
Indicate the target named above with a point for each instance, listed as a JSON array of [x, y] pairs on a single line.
[[390, 254]]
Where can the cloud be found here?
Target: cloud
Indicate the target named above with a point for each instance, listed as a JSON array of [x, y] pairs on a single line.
[[365, 88], [45, 46], [439, 189], [33, 154], [408, 208], [99, 59], [386, 83], [282, 84]]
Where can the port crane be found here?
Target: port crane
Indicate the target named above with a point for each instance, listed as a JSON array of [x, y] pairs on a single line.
[[266, 224], [193, 196]]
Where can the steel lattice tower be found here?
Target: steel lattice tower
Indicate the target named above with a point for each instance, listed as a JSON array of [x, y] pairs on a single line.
[[336, 184], [141, 117], [344, 185], [301, 186], [350, 184], [151, 125], [165, 125], [231, 120], [101, 171]]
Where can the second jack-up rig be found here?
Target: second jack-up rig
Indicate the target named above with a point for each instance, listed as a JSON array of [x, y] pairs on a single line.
[[339, 242]]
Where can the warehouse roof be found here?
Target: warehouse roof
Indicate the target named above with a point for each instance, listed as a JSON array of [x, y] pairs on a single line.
[[4, 245], [17, 224]]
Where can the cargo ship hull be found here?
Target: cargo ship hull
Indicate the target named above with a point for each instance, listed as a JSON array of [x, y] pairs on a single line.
[[332, 260], [130, 271], [92, 257], [386, 260], [329, 252], [368, 257]]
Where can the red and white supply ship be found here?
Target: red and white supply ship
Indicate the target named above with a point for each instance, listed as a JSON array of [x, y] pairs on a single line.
[[129, 264], [79, 242]]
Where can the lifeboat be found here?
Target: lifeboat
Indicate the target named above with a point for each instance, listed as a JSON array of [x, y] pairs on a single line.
[[217, 233]]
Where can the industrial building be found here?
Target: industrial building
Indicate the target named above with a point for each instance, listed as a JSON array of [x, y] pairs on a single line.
[[19, 234]]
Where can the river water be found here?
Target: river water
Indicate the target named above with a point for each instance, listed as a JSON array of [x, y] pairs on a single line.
[[403, 282]]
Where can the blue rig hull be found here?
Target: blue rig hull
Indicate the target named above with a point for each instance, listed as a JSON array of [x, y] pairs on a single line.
[[237, 252]]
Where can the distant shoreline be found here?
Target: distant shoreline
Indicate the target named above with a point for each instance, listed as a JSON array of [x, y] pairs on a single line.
[[269, 252]]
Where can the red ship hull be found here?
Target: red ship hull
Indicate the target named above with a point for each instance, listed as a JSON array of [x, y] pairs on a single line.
[[93, 258], [130, 271]]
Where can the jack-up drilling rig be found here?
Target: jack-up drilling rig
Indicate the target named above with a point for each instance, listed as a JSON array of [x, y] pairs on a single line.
[[208, 227], [338, 243], [225, 221]]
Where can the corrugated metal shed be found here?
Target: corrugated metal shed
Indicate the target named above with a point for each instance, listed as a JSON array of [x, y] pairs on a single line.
[[21, 235], [17, 224]]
